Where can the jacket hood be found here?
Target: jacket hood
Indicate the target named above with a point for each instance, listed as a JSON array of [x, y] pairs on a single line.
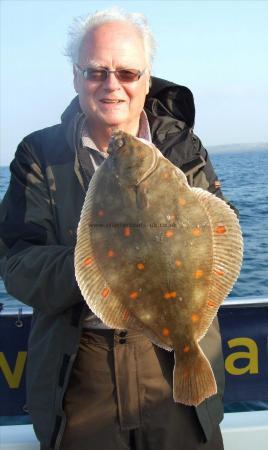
[[164, 98], [167, 98]]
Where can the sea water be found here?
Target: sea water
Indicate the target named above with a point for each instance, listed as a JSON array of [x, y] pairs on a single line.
[[243, 178]]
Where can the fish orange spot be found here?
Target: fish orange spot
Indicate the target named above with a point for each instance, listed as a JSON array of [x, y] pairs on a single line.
[[196, 231], [181, 201], [219, 272], [220, 229], [105, 292], [168, 295], [195, 318], [140, 266], [165, 175], [165, 332], [186, 348], [198, 274], [169, 233], [133, 295], [178, 263], [110, 253], [127, 231], [88, 261], [210, 303], [101, 213]]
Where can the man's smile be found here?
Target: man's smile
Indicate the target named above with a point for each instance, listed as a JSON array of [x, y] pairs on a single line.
[[111, 100]]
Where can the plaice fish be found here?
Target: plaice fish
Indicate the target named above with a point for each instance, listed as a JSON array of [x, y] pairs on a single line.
[[158, 256]]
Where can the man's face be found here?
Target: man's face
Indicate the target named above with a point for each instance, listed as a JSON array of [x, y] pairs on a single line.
[[114, 45]]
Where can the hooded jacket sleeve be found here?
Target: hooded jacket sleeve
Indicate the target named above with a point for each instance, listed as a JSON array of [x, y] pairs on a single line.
[[35, 267]]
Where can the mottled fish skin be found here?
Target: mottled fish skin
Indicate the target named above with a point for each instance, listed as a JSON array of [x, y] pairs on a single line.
[[166, 255]]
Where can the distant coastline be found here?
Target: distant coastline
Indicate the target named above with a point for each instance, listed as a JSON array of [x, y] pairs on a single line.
[[238, 148], [224, 148]]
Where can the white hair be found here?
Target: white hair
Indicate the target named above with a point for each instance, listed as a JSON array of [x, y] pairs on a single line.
[[82, 25]]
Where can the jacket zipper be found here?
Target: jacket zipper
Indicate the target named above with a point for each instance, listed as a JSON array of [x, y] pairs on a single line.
[[63, 417]]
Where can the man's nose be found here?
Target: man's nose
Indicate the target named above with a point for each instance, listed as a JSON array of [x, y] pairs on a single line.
[[111, 82]]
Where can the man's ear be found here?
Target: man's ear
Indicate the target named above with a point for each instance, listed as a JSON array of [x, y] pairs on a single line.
[[75, 80]]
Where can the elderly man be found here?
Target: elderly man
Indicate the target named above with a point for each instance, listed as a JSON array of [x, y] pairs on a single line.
[[91, 387]]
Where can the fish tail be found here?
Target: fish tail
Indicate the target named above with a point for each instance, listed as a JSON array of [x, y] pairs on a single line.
[[193, 377]]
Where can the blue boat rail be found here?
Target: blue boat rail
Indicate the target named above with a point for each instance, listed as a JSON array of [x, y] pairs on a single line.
[[244, 329], [245, 302]]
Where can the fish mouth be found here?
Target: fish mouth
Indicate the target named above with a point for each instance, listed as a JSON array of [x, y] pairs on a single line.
[[116, 141]]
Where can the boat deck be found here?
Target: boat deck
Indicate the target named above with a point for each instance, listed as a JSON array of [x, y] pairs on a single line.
[[241, 431]]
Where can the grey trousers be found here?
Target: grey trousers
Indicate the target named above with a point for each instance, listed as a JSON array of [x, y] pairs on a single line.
[[120, 398]]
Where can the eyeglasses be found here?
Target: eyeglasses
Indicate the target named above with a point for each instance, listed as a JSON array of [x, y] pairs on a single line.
[[123, 75]]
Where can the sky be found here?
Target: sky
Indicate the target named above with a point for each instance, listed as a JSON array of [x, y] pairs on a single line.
[[218, 49]]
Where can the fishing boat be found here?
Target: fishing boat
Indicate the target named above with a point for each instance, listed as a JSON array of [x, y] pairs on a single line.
[[244, 328]]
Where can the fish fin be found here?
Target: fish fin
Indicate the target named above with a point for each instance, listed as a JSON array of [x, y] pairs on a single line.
[[227, 254], [193, 378], [95, 290]]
